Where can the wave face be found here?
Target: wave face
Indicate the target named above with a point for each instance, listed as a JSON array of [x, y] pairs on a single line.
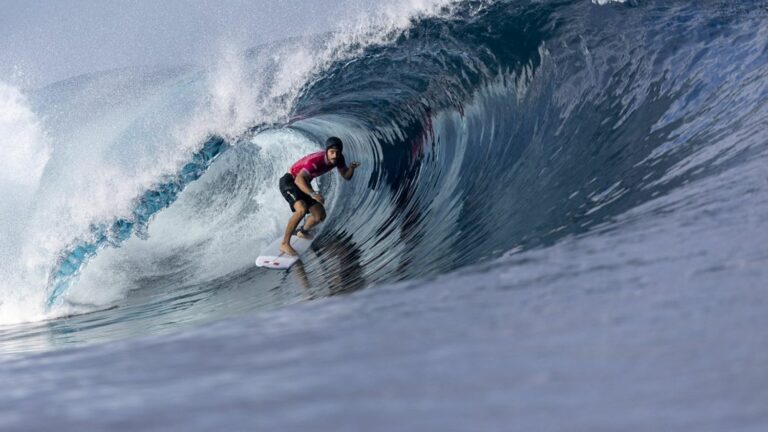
[[510, 126], [484, 130]]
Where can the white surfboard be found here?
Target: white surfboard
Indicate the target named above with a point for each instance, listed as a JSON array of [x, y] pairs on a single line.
[[272, 257]]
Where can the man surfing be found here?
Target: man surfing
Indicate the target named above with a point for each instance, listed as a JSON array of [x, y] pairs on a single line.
[[296, 188]]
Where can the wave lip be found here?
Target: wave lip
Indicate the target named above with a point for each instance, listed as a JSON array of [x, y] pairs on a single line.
[[150, 202]]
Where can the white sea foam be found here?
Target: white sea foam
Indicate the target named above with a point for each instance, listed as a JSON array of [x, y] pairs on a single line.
[[25, 152]]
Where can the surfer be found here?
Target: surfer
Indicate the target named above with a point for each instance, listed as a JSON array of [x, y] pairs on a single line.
[[297, 189]]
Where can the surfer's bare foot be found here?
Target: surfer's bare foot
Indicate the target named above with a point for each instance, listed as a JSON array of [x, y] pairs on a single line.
[[288, 249], [304, 235]]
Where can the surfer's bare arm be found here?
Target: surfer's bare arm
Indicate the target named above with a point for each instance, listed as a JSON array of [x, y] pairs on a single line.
[[303, 182], [350, 171]]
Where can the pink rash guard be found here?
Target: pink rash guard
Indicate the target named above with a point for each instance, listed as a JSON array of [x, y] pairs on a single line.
[[314, 164]]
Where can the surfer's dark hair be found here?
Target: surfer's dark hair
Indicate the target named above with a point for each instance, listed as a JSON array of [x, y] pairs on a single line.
[[334, 143]]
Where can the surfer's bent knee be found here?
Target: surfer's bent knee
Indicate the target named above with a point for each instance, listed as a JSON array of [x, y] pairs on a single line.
[[318, 211], [300, 207]]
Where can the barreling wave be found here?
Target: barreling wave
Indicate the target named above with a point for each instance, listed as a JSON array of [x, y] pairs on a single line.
[[487, 129], [512, 125]]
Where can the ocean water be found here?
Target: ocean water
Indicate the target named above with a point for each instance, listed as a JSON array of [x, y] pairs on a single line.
[[559, 223]]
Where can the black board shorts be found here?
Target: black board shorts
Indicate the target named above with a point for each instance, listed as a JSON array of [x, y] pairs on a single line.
[[292, 193]]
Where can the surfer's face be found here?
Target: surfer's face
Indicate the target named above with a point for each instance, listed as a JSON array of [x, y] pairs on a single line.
[[332, 155]]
